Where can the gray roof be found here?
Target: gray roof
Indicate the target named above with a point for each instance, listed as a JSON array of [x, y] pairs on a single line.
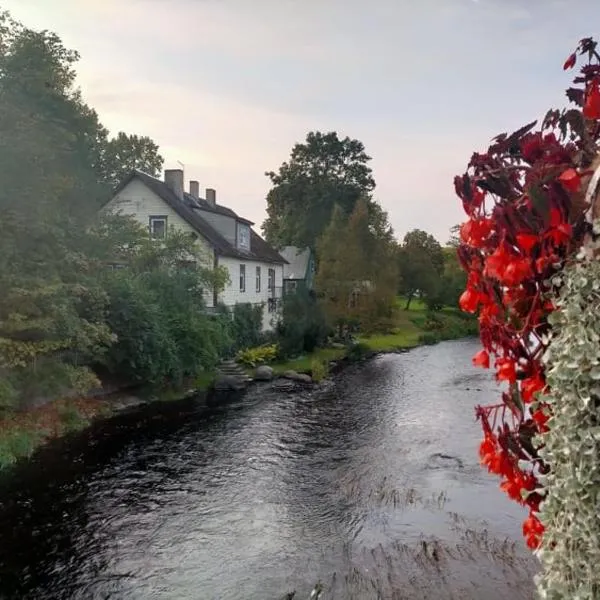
[[259, 249], [298, 262]]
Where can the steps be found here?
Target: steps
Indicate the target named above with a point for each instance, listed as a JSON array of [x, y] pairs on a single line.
[[231, 376]]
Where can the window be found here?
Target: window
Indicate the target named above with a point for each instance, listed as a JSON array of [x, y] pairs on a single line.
[[258, 279], [271, 280], [158, 227], [242, 278], [243, 236]]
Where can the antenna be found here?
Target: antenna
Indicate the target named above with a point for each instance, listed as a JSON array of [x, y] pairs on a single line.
[[182, 165]]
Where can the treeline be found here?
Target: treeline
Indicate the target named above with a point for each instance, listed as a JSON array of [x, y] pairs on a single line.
[[67, 317], [322, 197]]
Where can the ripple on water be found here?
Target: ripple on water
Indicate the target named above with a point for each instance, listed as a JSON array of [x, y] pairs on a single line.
[[370, 485]]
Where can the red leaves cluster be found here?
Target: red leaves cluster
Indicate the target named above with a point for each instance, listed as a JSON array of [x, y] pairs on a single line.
[[523, 199]]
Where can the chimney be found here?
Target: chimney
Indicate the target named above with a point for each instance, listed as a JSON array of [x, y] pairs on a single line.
[[211, 197], [194, 190], [174, 179]]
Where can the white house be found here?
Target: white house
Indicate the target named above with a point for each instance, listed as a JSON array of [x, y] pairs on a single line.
[[255, 268]]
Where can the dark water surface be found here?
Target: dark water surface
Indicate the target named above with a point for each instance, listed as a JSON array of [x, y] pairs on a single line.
[[370, 484]]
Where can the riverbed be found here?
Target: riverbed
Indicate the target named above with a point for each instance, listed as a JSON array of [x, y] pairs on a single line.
[[369, 484]]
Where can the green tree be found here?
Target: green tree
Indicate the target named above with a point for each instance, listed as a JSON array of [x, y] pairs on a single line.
[[322, 172], [357, 275], [421, 265], [124, 153]]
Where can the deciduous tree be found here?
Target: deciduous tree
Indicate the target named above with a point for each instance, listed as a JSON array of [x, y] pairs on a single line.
[[321, 173]]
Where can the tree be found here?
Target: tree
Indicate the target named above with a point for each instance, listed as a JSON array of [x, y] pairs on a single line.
[[454, 240], [357, 276], [124, 153], [421, 265], [322, 172]]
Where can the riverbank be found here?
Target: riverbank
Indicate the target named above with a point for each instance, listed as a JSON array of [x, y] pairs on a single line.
[[22, 433]]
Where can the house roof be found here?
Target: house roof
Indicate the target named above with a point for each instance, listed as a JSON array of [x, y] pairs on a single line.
[[260, 250], [217, 208], [297, 259]]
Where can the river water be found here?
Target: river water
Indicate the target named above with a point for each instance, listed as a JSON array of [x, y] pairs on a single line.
[[369, 484]]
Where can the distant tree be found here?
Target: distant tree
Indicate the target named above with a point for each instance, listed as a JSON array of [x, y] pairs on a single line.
[[452, 282], [421, 265], [454, 240], [357, 276], [124, 153], [322, 172]]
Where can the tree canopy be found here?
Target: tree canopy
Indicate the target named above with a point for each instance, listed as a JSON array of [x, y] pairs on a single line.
[[421, 265], [321, 173]]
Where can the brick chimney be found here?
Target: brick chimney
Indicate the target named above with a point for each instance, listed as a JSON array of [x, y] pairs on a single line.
[[194, 190], [174, 179], [211, 197]]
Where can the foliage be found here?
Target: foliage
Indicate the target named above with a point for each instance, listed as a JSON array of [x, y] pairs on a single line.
[[319, 370], [302, 326], [53, 153], [124, 153], [322, 172], [569, 512], [452, 283], [356, 277], [421, 265], [246, 325], [525, 205], [252, 357]]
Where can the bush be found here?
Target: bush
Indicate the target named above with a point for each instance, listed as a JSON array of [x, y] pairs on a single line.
[[252, 357], [163, 331], [319, 370], [243, 325], [302, 326]]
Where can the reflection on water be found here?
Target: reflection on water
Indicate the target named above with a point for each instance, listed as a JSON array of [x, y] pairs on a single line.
[[370, 485]]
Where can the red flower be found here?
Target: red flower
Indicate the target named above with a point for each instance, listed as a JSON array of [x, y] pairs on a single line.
[[527, 241], [540, 418], [570, 180], [570, 62], [531, 386], [533, 531], [591, 108], [516, 272], [469, 301], [482, 359], [506, 370]]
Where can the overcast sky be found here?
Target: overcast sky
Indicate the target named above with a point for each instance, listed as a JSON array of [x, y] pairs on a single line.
[[228, 86]]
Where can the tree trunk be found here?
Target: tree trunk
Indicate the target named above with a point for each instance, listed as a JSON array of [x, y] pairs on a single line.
[[408, 301]]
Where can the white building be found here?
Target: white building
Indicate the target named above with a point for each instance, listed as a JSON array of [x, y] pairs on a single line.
[[255, 268]]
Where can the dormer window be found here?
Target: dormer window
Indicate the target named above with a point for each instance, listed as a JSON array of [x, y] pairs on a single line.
[[243, 236]]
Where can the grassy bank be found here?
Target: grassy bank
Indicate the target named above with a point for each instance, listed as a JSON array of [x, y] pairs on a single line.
[[21, 433], [413, 327]]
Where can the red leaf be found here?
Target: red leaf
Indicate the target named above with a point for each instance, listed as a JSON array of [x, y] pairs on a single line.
[[527, 241], [591, 108], [570, 62], [570, 180]]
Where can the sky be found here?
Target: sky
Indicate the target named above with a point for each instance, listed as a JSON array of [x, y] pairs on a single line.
[[227, 87]]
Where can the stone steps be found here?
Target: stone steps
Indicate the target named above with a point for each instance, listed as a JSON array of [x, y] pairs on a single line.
[[230, 375]]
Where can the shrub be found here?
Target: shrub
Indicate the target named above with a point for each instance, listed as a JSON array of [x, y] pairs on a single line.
[[302, 326], [319, 369], [162, 329], [252, 357]]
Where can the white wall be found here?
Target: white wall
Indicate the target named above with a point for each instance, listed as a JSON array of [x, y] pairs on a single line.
[[232, 295], [137, 200]]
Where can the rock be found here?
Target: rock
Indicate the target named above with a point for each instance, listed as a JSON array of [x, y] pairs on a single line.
[[229, 382], [338, 345], [263, 373], [299, 377]]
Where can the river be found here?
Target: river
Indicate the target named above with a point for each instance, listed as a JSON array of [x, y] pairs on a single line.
[[369, 484]]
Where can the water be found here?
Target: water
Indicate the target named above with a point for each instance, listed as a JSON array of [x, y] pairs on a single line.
[[370, 484]]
